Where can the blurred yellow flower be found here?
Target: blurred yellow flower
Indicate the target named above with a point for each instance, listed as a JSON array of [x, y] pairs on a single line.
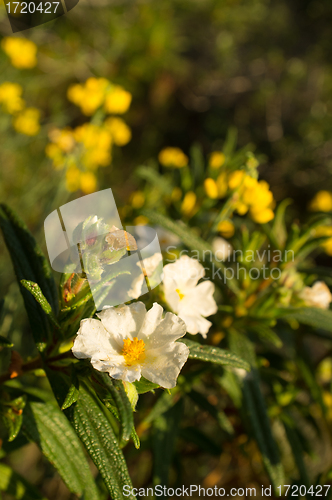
[[54, 152], [88, 182], [141, 220], [27, 122], [64, 139], [137, 199], [211, 188], [326, 231], [226, 228], [73, 179], [22, 52], [261, 215], [120, 132], [222, 185], [173, 157], [217, 159], [322, 202], [255, 196], [10, 97], [89, 96], [117, 100], [236, 178], [188, 204]]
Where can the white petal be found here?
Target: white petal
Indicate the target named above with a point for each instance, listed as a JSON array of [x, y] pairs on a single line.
[[136, 287], [171, 295], [124, 321], [152, 319], [185, 272], [93, 340], [119, 371], [162, 366], [166, 331], [196, 324], [201, 299]]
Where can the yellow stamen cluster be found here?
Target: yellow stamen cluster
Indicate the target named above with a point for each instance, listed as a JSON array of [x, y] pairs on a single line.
[[133, 351], [181, 295], [173, 158]]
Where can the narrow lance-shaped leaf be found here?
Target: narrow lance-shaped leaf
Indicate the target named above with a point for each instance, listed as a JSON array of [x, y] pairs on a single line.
[[36, 292], [90, 420], [118, 393], [23, 247], [165, 431], [15, 485], [45, 425], [214, 355], [313, 316]]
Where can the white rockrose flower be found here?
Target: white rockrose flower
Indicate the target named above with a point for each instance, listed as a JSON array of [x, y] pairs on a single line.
[[130, 342], [221, 249], [148, 267], [191, 301], [318, 295]]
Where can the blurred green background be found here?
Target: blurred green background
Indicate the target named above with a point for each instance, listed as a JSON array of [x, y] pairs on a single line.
[[194, 68]]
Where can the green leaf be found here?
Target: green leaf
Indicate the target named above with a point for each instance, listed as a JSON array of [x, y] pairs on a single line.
[[257, 415], [73, 391], [190, 239], [90, 420], [220, 416], [45, 425], [150, 175], [214, 355], [117, 391], [11, 414], [29, 264], [201, 440], [15, 485], [5, 342], [164, 403], [24, 249], [313, 316], [297, 449], [165, 431], [278, 231], [36, 292], [144, 385]]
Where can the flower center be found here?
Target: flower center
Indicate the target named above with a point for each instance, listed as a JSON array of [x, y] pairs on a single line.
[[133, 351], [181, 295]]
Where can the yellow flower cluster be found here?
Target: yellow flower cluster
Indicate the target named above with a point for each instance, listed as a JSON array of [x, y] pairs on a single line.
[[255, 196], [26, 120], [22, 52], [96, 92], [322, 202], [173, 157]]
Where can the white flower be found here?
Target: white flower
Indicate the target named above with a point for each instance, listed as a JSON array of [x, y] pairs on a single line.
[[129, 342], [148, 267], [190, 301], [221, 249], [318, 295]]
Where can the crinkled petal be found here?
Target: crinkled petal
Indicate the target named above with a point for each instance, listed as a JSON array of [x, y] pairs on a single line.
[[196, 324], [171, 295], [162, 366], [93, 340], [201, 299], [151, 321], [186, 272], [118, 369], [165, 331], [124, 321]]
